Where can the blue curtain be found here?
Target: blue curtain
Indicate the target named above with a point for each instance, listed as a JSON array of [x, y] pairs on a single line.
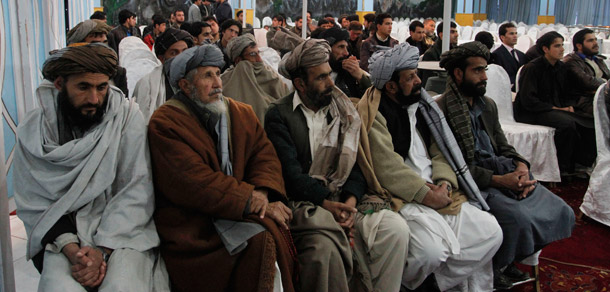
[[587, 12], [513, 10]]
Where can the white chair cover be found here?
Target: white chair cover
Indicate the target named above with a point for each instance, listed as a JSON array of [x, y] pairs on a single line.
[[535, 143], [260, 34], [137, 59], [493, 27], [257, 23], [403, 34], [466, 33], [546, 29], [596, 203], [521, 30], [524, 43], [267, 21], [272, 58], [533, 32]]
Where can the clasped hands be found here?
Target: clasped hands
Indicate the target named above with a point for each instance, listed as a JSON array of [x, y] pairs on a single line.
[[88, 265]]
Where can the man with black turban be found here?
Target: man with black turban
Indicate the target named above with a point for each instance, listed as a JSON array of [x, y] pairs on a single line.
[[154, 89], [83, 184], [408, 151], [315, 131], [346, 74], [530, 215], [220, 207]]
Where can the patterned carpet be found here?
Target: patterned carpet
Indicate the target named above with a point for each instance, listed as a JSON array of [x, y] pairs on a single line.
[[578, 263]]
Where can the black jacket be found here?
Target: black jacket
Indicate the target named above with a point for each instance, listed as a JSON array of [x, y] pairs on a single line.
[[502, 57], [120, 32], [584, 84]]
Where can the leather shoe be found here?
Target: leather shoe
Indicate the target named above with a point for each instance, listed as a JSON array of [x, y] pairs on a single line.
[[514, 274], [501, 282]]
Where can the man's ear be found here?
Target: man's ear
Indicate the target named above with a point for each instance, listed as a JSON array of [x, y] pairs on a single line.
[[59, 83], [391, 87], [459, 75], [299, 84], [185, 86]]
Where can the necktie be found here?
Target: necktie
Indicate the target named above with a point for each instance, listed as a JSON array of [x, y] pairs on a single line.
[[512, 52]]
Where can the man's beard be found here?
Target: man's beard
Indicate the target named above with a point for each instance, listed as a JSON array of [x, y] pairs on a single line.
[[337, 65], [75, 115], [319, 99], [410, 99], [589, 52], [215, 107], [468, 88]]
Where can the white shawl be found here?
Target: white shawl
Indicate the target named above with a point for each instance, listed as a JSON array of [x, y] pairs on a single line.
[[149, 92], [104, 176]]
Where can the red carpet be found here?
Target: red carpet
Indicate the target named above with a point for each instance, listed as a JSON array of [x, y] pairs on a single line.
[[578, 263]]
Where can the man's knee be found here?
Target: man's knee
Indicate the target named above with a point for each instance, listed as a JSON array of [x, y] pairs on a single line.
[[395, 228]]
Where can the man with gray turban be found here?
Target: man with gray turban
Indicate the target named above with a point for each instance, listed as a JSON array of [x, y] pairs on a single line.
[[250, 80], [154, 89], [96, 31], [347, 74], [83, 185], [315, 131], [529, 214], [405, 146], [220, 193]]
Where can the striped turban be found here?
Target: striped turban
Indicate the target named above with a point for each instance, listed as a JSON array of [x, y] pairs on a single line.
[[309, 53], [89, 58], [90, 26], [386, 61]]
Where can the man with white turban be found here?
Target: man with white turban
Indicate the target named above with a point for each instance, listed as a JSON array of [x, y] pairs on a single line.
[[220, 193], [83, 184], [250, 80], [154, 89], [96, 31], [406, 146], [315, 131]]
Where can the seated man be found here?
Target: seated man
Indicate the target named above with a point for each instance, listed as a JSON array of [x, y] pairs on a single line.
[[543, 99], [507, 56], [158, 27], [201, 33], [529, 214], [298, 27], [450, 237], [355, 38], [83, 185], [315, 131], [585, 69], [96, 31], [153, 89], [417, 36], [229, 29], [215, 175], [346, 74], [383, 23], [251, 81], [434, 52]]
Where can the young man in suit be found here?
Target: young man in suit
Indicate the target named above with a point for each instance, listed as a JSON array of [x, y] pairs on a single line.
[[506, 55]]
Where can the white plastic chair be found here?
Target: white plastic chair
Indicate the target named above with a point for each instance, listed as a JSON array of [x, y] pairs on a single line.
[[267, 21], [493, 27], [533, 33], [535, 143], [524, 43], [466, 33], [596, 202], [520, 30]]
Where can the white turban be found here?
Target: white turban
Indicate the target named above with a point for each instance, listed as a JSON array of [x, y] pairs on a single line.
[[386, 61], [205, 55]]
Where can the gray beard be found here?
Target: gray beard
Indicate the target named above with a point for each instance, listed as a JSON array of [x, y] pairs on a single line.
[[217, 107]]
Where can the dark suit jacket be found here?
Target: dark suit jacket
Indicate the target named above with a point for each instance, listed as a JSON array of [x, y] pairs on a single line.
[[288, 131], [502, 57], [491, 125]]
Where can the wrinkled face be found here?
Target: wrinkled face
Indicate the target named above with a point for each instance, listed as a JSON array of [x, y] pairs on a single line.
[[354, 34], [86, 94], [345, 23], [589, 45], [179, 17], [339, 51], [319, 85], [385, 28], [474, 78], [206, 34], [326, 25], [96, 38], [555, 51], [206, 86], [174, 50], [418, 35], [429, 27], [230, 33], [510, 38], [251, 54]]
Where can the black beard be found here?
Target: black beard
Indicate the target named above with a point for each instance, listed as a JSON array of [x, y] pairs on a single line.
[[74, 114], [473, 90], [588, 52], [410, 99], [319, 99], [337, 65]]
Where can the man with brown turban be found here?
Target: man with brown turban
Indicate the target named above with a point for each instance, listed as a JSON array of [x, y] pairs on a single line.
[[83, 185], [530, 215], [220, 207], [316, 131], [250, 80]]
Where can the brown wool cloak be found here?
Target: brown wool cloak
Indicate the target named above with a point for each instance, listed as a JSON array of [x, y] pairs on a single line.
[[191, 190]]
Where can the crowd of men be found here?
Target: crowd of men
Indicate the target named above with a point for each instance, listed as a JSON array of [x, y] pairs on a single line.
[[335, 171]]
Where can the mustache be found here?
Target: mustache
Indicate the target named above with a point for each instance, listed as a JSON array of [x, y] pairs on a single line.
[[327, 91], [482, 83], [215, 91]]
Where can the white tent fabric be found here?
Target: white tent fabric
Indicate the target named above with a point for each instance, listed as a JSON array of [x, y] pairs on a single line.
[[596, 203], [137, 59], [535, 143]]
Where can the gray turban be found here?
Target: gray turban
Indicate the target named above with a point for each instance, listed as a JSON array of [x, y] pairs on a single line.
[[451, 58], [78, 33], [205, 55], [386, 61], [309, 53], [237, 45]]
